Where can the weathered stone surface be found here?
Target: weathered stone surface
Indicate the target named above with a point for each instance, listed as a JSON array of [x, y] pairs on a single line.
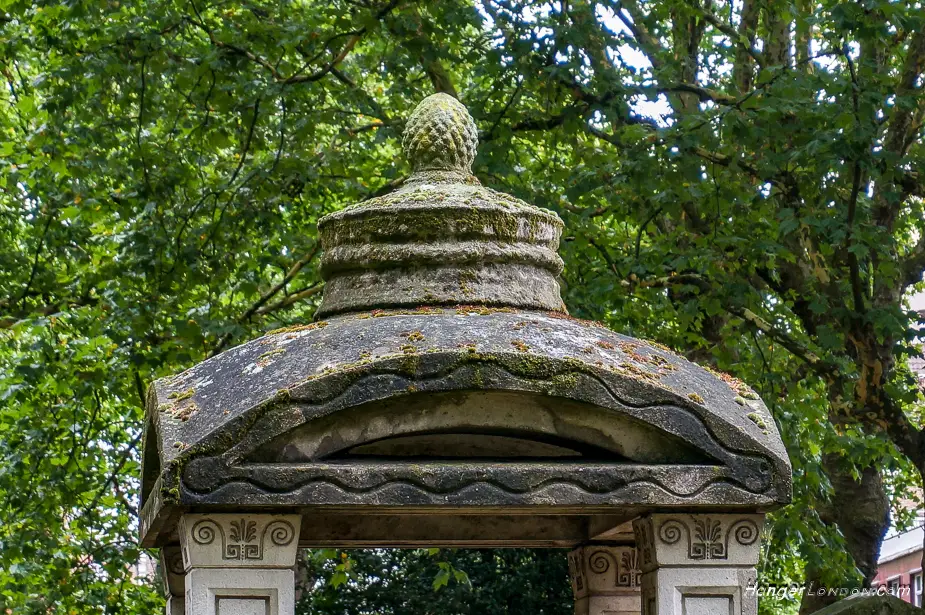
[[698, 564], [439, 240], [388, 423], [283, 419], [440, 134], [605, 580], [442, 238], [870, 605]]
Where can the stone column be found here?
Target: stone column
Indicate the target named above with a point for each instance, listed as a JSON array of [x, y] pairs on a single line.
[[698, 564], [605, 580], [239, 564], [174, 575]]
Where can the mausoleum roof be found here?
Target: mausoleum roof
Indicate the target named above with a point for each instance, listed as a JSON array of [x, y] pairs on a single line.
[[446, 378]]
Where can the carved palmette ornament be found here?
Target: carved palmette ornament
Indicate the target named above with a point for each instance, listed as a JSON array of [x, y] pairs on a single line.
[[239, 540], [601, 569], [699, 538], [629, 569]]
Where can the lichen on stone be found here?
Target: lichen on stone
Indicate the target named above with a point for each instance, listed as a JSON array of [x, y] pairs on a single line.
[[298, 328], [271, 353], [520, 345], [482, 310]]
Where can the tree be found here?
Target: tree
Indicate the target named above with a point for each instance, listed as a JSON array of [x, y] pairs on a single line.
[[450, 582], [787, 204], [741, 181]]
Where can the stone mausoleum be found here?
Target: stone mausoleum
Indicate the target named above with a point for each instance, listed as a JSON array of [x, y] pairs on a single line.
[[444, 397]]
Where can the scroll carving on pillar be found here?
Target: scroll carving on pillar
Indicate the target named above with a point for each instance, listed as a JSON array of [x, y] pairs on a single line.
[[604, 568], [684, 539], [172, 571], [242, 540], [706, 536], [698, 563], [239, 540]]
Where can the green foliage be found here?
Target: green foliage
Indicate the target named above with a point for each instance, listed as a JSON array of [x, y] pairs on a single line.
[[163, 166], [401, 581]]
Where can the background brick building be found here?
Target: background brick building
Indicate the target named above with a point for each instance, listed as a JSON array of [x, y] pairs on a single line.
[[900, 564]]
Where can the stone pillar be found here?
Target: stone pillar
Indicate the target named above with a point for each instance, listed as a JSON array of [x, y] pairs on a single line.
[[174, 575], [605, 580], [698, 564], [239, 564]]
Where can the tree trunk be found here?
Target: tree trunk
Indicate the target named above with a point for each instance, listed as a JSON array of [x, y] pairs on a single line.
[[861, 511], [777, 23], [804, 34], [744, 70]]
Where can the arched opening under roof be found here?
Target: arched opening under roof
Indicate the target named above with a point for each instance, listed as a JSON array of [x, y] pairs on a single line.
[[493, 425]]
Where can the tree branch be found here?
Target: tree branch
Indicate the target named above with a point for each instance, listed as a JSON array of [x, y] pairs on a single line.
[[296, 77], [741, 37], [650, 47], [798, 349], [265, 297], [290, 299], [853, 265]]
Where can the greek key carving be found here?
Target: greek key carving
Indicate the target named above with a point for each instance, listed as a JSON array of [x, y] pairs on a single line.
[[644, 540], [242, 541], [575, 568]]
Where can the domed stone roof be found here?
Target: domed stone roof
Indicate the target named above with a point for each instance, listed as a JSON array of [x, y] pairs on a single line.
[[444, 379]]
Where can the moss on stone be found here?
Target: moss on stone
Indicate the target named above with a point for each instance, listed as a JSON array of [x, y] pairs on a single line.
[[694, 397], [271, 353], [563, 315], [756, 418], [563, 384], [297, 328], [414, 336], [638, 372], [629, 347], [178, 396], [184, 412], [448, 218], [424, 309], [482, 310], [738, 387]]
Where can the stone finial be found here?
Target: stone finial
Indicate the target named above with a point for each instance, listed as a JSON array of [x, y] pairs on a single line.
[[441, 238], [440, 135]]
